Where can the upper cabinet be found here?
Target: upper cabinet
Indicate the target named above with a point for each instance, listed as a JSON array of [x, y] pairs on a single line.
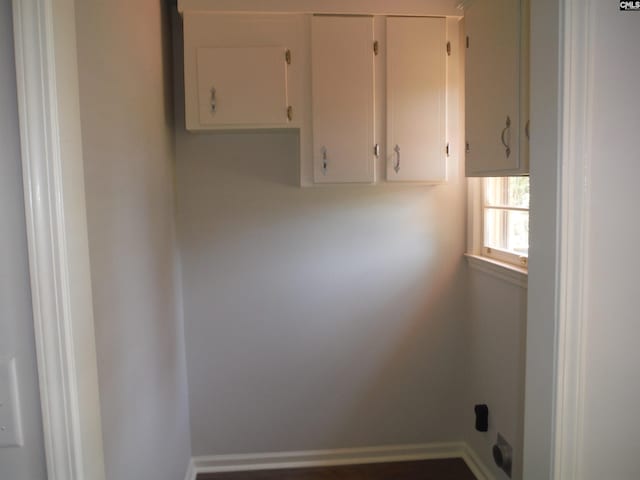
[[373, 97], [240, 71], [497, 88], [342, 69], [416, 99], [228, 93]]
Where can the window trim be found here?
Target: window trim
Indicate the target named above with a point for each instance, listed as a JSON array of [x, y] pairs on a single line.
[[505, 256], [498, 254], [498, 263], [504, 271]]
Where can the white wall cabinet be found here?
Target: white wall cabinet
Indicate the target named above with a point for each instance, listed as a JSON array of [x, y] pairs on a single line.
[[496, 88], [342, 72], [364, 114], [230, 93], [416, 99], [244, 71]]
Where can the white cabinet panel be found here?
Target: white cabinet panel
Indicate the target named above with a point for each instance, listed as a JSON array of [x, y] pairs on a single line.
[[242, 58], [343, 99], [238, 86], [495, 95], [416, 99]]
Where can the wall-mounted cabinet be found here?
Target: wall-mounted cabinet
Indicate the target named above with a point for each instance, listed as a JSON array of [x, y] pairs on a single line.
[[240, 71], [372, 97], [229, 92], [496, 88], [416, 99], [342, 66]]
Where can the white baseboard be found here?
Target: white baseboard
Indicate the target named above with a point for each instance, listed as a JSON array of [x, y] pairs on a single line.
[[477, 467], [191, 470], [346, 456]]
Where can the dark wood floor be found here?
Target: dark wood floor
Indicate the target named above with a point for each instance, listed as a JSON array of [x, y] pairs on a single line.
[[447, 469]]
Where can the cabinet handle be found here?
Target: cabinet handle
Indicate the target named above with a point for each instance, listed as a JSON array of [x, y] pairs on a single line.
[[526, 129], [213, 100], [505, 130], [396, 167], [325, 163]]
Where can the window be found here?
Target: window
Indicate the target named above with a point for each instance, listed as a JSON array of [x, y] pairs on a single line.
[[505, 219]]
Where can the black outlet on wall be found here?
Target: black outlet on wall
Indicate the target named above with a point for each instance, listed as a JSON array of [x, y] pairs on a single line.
[[482, 417]]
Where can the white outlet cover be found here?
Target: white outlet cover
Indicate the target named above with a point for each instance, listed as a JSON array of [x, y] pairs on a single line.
[[10, 423]]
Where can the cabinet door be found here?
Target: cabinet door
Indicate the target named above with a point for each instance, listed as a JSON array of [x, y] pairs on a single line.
[[416, 99], [492, 88], [240, 86], [343, 99]]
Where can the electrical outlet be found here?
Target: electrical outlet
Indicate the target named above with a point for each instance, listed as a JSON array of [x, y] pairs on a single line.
[[10, 424], [503, 455]]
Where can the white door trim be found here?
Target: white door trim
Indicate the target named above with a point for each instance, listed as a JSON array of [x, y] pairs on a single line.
[[46, 67], [48, 101], [575, 180], [555, 347]]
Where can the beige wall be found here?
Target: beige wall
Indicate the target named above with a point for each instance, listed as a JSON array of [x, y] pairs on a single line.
[[16, 321], [318, 317], [315, 318], [496, 333], [338, 316], [127, 130]]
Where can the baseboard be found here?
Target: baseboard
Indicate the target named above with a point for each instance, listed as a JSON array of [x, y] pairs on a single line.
[[477, 467], [346, 456], [191, 470]]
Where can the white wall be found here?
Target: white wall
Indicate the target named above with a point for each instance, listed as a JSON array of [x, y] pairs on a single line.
[[611, 439], [16, 321], [320, 317], [127, 130], [496, 332]]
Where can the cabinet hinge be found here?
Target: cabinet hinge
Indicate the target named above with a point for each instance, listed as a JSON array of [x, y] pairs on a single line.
[[467, 41], [376, 47], [287, 57], [447, 149], [449, 48], [290, 112]]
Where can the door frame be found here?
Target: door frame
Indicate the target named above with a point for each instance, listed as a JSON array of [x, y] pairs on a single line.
[[560, 182], [573, 238], [55, 210]]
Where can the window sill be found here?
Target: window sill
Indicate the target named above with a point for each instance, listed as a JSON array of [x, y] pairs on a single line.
[[504, 271]]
